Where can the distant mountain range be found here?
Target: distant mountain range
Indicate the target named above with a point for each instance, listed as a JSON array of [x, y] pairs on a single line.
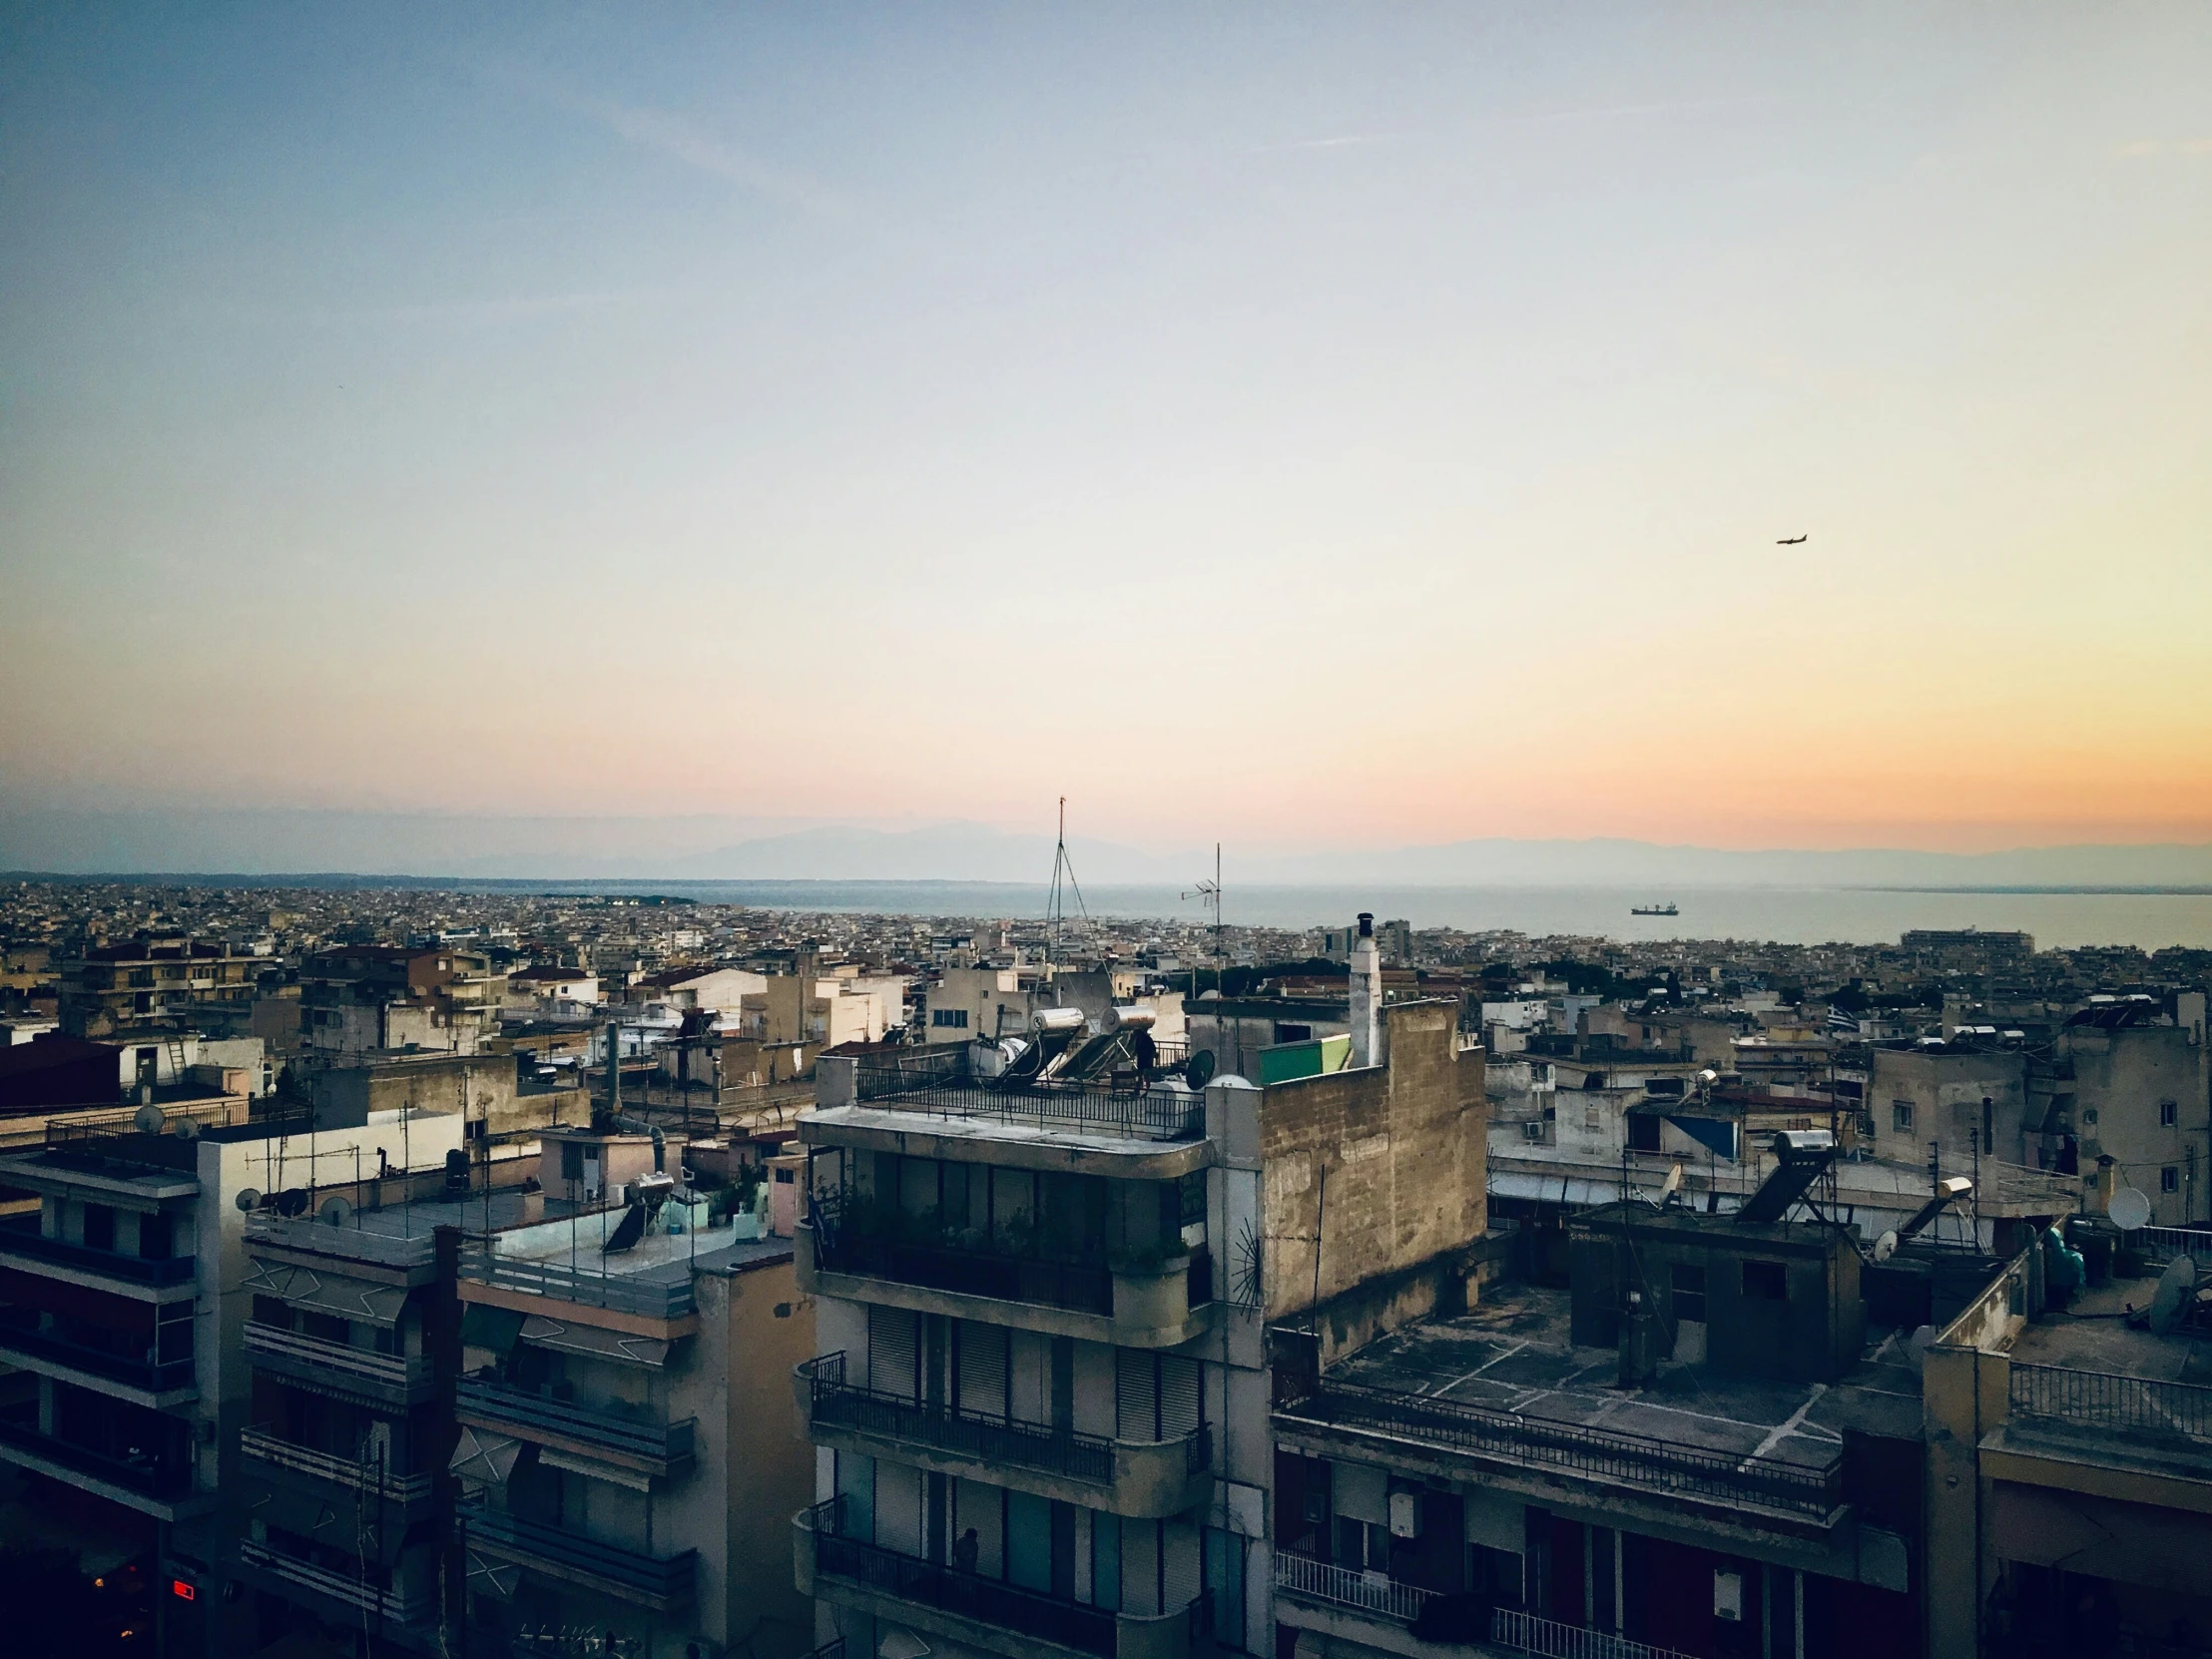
[[712, 848]]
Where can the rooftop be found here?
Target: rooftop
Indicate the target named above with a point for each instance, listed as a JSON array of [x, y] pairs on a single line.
[[1513, 1355], [2094, 1335]]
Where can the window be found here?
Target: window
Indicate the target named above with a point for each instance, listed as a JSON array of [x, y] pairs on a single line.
[[1287, 1034], [1765, 1282], [2169, 1113], [1901, 1116], [1689, 1295], [948, 1019], [2169, 1179]]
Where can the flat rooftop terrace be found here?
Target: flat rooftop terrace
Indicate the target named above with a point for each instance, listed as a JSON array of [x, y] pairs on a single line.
[[1513, 1357], [2094, 1335]]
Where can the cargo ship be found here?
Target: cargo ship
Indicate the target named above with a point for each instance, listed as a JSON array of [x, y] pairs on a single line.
[[1666, 910]]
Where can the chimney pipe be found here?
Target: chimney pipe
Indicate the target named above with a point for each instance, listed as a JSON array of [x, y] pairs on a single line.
[[1366, 996]]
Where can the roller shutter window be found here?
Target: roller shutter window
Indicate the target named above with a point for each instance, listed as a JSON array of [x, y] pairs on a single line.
[[1136, 1395], [982, 1379], [891, 1356], [1181, 1403]]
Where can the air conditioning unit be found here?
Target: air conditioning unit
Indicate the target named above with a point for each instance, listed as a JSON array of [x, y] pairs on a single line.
[[1406, 1514], [1532, 1130]]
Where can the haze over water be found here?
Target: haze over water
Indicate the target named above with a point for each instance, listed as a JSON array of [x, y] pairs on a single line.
[[1788, 916]]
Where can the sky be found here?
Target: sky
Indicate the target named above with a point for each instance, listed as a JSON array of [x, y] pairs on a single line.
[[1322, 427]]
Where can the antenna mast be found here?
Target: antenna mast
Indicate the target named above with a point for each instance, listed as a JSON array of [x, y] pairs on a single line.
[[1063, 884], [1209, 893]]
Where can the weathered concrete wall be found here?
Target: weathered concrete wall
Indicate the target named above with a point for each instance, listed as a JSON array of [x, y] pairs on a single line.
[[1385, 1169], [770, 1467]]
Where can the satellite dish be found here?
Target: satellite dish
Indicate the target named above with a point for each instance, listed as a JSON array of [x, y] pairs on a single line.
[[2129, 1210], [900, 1643], [1671, 1185], [248, 1200], [2176, 1287], [185, 1129], [292, 1201], [1199, 1070], [336, 1210], [1886, 1246], [148, 1119]]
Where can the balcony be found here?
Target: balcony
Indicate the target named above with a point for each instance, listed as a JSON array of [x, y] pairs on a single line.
[[397, 1381], [410, 1492], [156, 1383], [24, 1244], [595, 1431], [1549, 1447], [1341, 1602], [151, 1485], [1143, 1480], [1129, 1305], [411, 1604], [987, 1613], [566, 1557]]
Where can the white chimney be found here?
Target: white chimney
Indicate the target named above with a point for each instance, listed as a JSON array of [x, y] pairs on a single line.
[[1366, 996]]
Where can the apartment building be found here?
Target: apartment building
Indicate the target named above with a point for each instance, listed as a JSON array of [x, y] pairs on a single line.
[[124, 1315], [359, 999], [627, 1460], [2070, 1455], [1709, 1446], [336, 1500], [152, 984], [1039, 1404]]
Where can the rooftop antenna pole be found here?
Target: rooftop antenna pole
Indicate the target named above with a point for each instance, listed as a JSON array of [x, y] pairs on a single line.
[[1209, 893], [1056, 903]]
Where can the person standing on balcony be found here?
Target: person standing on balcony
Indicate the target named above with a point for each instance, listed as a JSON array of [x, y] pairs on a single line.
[[1145, 1053], [964, 1551]]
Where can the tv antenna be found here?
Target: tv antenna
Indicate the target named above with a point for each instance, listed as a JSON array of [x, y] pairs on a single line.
[[1209, 895], [1063, 884]]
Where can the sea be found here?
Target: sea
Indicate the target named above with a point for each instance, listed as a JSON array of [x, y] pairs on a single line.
[[1785, 916]]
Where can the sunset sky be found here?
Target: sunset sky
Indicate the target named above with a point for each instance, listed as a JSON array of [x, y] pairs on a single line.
[[1314, 426]]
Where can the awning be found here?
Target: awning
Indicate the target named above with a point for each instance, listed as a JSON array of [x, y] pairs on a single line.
[[540, 1331], [328, 1292], [483, 1326], [484, 1456], [638, 1480], [1716, 1135], [1553, 1189]]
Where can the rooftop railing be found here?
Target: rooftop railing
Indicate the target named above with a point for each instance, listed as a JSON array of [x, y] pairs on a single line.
[[942, 1084], [587, 1286], [2102, 1401], [351, 1241], [1598, 1454]]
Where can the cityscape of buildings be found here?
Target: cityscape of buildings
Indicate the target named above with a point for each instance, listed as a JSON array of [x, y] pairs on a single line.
[[430, 1272]]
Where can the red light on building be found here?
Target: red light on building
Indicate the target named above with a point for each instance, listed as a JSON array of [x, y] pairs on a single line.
[[181, 1591]]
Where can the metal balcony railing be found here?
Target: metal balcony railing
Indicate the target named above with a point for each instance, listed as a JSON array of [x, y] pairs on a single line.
[[356, 1474], [1078, 1288], [1382, 1596], [150, 1477], [842, 1405], [405, 1379], [530, 1413], [2102, 1401], [1369, 1592], [25, 1243], [558, 1282], [938, 1082], [1598, 1454], [155, 1377], [409, 1605], [970, 1596], [561, 1552], [1553, 1640]]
